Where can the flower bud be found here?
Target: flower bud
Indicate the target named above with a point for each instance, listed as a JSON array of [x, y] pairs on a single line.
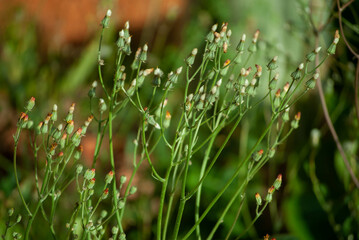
[[10, 212], [273, 63], [285, 115], [69, 116], [277, 99], [18, 218], [167, 121], [310, 84], [157, 79], [240, 46], [76, 137], [253, 47], [295, 122], [54, 113], [143, 55], [123, 179], [190, 59], [105, 194], [78, 152], [258, 155], [114, 230], [91, 183], [133, 190], [273, 82], [89, 174], [70, 127], [106, 20], [30, 104], [79, 168], [278, 182], [311, 56], [297, 74], [258, 199], [109, 177], [271, 152], [333, 46], [269, 196], [102, 105], [63, 140], [315, 137], [122, 236]]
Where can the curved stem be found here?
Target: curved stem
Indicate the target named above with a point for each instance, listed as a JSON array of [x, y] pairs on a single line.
[[331, 127]]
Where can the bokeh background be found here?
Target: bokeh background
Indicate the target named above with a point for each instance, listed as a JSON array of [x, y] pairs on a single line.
[[48, 50]]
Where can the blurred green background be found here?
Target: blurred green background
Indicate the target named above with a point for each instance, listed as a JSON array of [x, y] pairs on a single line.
[[313, 204]]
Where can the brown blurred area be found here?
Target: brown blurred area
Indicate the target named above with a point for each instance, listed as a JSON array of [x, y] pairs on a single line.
[[74, 22]]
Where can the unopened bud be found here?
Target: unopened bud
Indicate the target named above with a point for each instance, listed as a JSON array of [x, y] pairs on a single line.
[[273, 63], [258, 155], [278, 182], [109, 177], [30, 104], [123, 179], [269, 196], [79, 168], [102, 105], [89, 174], [133, 190], [258, 199], [105, 194]]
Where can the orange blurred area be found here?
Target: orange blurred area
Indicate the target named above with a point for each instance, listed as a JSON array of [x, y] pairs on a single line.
[[60, 22]]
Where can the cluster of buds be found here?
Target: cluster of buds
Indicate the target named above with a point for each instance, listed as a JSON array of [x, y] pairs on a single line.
[[120, 78], [124, 40], [140, 57], [24, 121], [142, 75], [276, 185], [200, 98], [333, 46], [217, 40], [214, 93]]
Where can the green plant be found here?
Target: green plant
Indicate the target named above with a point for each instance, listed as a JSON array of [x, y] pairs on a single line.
[[219, 91]]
